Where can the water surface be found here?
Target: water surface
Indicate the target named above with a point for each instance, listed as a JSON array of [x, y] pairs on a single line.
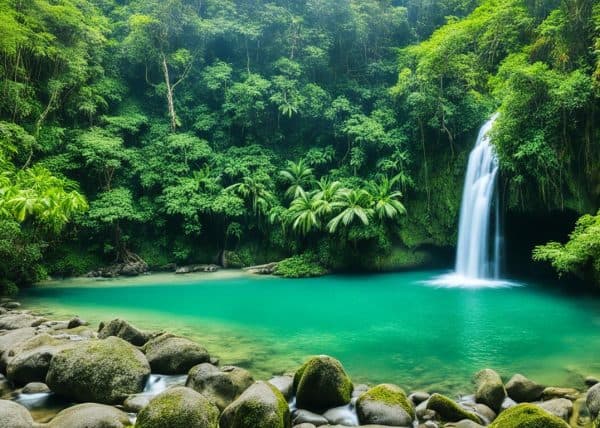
[[384, 328]]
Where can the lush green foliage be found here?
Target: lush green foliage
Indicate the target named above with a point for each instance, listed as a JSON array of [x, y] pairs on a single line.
[[333, 127], [300, 266], [581, 255]]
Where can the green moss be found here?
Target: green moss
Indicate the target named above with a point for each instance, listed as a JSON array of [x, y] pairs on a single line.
[[179, 407], [401, 258], [449, 411], [321, 383], [300, 266], [527, 416], [391, 395], [256, 413]]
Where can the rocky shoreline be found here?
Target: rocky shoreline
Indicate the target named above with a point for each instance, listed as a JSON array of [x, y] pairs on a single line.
[[120, 376]]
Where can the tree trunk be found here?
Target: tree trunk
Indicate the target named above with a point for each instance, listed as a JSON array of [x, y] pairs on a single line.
[[170, 103]]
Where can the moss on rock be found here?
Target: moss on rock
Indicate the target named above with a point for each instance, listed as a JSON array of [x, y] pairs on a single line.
[[102, 371], [179, 407], [490, 389], [449, 411], [322, 383], [260, 406], [391, 395], [527, 416], [385, 404], [170, 354]]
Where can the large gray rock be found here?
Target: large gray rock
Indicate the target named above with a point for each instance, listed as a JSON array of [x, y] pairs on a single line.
[[35, 388], [593, 401], [302, 416], [11, 339], [103, 371], [260, 406], [136, 402], [220, 385], [490, 389], [385, 404], [170, 354], [14, 321], [124, 330], [179, 407], [13, 415], [322, 383], [523, 390], [560, 407], [32, 358], [90, 415]]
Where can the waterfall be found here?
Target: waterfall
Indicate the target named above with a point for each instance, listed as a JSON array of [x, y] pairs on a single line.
[[479, 239]]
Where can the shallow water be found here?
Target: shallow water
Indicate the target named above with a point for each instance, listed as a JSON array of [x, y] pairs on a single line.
[[384, 328]]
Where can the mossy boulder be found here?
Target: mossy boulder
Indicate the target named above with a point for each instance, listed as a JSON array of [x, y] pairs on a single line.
[[14, 415], [170, 354], [90, 415], [449, 411], [385, 404], [103, 371], [124, 330], [527, 416], [179, 407], [260, 406], [322, 383], [221, 385], [490, 389], [523, 390]]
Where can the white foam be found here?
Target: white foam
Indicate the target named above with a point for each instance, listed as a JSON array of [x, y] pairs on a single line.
[[454, 280]]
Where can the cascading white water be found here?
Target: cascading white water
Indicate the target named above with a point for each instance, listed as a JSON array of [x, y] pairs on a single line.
[[479, 239]]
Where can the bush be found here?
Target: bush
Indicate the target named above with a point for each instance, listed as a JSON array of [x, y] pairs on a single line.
[[300, 266]]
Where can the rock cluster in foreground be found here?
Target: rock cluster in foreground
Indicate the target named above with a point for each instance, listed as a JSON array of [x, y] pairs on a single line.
[[107, 371]]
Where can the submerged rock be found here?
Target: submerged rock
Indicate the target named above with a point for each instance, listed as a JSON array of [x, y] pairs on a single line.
[[102, 371], [13, 415], [522, 390], [124, 330], [322, 383], [490, 389], [385, 404], [260, 406], [90, 415], [527, 416], [179, 407], [221, 385], [170, 354], [449, 411]]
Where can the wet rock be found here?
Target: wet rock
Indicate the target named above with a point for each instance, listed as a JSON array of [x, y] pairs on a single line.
[[13, 415], [359, 390], [179, 407], [560, 407], [220, 385], [522, 390], [266, 269], [76, 322], [136, 402], [527, 416], [90, 415], [449, 411], [465, 423], [342, 415], [307, 417], [170, 354], [103, 371], [508, 403], [321, 383], [35, 388], [284, 384], [260, 406], [593, 401], [11, 339], [555, 392], [418, 397], [385, 404], [124, 330], [490, 389], [486, 414], [196, 268], [10, 305]]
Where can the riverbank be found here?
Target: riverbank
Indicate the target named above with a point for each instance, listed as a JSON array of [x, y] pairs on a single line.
[[62, 362]]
